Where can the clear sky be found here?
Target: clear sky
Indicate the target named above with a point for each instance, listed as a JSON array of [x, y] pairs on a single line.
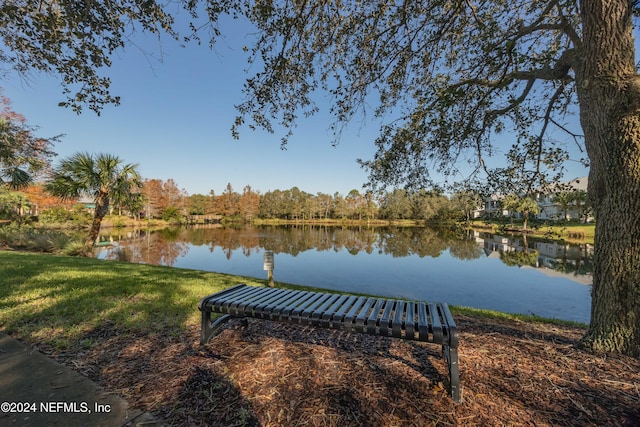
[[175, 118]]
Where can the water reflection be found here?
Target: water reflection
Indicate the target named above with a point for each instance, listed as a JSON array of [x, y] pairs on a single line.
[[165, 247], [554, 258], [506, 273]]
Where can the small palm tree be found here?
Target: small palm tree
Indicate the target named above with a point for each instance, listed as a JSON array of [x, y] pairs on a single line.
[[521, 204], [102, 176]]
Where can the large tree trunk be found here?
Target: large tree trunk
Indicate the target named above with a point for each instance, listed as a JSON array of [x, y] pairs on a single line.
[[102, 207], [609, 95]]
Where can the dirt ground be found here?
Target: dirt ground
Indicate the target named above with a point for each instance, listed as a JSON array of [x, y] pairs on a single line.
[[271, 374]]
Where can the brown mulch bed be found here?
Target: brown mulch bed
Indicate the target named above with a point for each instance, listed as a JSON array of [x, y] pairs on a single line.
[[270, 374]]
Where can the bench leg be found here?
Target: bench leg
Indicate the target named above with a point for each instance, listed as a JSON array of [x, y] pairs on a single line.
[[209, 329], [451, 355]]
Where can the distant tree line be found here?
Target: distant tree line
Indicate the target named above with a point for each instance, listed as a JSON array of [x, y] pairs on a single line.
[[295, 204], [158, 199]]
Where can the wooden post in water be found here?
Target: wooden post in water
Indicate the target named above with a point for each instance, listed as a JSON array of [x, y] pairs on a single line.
[[268, 265]]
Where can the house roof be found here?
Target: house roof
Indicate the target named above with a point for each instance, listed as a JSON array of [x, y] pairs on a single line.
[[579, 183], [576, 184]]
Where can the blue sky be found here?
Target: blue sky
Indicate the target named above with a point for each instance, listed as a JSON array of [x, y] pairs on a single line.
[[175, 118]]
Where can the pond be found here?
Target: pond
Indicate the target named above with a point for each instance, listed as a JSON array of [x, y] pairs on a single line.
[[466, 268]]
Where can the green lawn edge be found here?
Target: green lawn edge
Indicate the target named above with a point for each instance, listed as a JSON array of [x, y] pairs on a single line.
[[64, 302]]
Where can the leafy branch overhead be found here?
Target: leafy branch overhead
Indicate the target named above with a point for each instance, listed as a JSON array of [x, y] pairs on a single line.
[[447, 78], [77, 40]]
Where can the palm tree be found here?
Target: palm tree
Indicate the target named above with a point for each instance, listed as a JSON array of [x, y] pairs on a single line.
[[102, 176], [521, 204], [564, 200]]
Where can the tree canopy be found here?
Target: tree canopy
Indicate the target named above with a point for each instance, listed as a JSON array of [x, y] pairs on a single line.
[[447, 76], [22, 154]]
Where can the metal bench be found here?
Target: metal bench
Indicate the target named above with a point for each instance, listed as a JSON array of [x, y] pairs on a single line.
[[412, 320]]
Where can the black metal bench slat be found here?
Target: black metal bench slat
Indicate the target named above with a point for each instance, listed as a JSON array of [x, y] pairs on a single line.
[[240, 305], [306, 315], [237, 294], [308, 306], [428, 322], [293, 311], [324, 308], [385, 320], [292, 300], [423, 322], [268, 306], [350, 317], [410, 321], [371, 318], [257, 300], [451, 330], [350, 304], [360, 324], [332, 311], [435, 323]]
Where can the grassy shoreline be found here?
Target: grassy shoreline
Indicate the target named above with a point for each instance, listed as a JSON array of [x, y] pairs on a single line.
[[572, 233], [60, 301]]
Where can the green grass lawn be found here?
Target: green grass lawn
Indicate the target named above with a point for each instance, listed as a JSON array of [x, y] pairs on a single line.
[[59, 301], [582, 233]]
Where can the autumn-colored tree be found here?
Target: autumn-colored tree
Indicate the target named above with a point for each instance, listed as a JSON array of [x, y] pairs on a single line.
[[229, 202], [161, 195], [152, 190], [173, 195], [40, 199], [22, 154], [212, 203], [249, 203]]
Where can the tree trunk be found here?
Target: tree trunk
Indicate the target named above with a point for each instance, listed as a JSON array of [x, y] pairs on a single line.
[[608, 90], [102, 207]]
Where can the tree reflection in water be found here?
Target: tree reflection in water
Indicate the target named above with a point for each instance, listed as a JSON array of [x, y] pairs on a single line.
[[498, 272], [166, 246]]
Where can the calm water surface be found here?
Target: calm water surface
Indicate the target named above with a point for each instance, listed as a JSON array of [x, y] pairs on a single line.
[[472, 269]]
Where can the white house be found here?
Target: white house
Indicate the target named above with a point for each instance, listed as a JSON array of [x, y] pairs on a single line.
[[550, 206]]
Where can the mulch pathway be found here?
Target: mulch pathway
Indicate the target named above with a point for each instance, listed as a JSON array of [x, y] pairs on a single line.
[[271, 374]]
